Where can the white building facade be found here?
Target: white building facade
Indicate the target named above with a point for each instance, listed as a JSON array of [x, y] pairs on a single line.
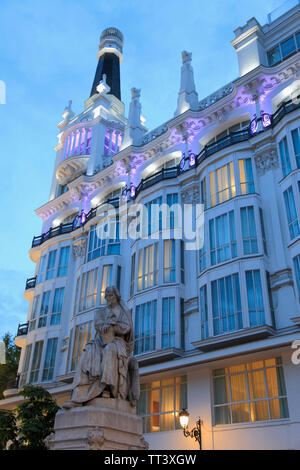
[[216, 326]]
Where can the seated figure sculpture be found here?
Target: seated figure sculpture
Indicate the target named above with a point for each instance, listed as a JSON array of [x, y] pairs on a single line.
[[106, 364]]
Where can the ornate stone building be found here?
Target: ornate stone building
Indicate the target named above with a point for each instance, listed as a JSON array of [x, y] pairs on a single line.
[[215, 327]]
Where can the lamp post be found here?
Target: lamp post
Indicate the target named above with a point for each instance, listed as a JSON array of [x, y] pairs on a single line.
[[194, 433]]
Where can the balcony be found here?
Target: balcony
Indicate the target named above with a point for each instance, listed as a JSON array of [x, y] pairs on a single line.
[[30, 283], [20, 339], [71, 168]]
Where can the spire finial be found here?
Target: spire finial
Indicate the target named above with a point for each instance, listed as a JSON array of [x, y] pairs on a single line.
[[187, 96]]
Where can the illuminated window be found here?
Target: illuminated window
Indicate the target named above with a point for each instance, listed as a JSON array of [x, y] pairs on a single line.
[[106, 281], [83, 334], [147, 267], [246, 176], [88, 291], [250, 392], [222, 184], [161, 402], [145, 327]]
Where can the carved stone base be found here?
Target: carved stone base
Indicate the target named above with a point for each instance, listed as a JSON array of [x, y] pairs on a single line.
[[102, 424]]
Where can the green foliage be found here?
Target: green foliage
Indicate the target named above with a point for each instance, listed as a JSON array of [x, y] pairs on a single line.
[[35, 420], [8, 371], [8, 429]]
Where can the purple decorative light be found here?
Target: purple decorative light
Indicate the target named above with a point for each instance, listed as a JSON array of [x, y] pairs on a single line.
[[132, 191], [124, 193], [266, 120], [182, 164], [253, 126], [192, 159], [82, 217]]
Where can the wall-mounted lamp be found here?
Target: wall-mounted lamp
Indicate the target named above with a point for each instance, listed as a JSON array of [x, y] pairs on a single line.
[[194, 433]]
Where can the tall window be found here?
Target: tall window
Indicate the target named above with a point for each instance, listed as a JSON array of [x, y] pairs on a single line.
[[203, 312], [168, 322], [172, 217], [145, 327], [226, 304], [255, 298], [106, 281], [222, 238], [104, 240], [291, 212], [49, 359], [264, 238], [169, 261], [161, 402], [132, 280], [36, 361], [250, 392], [297, 272], [153, 213], [57, 306], [182, 276], [249, 230], [26, 363], [246, 176], [147, 267], [34, 310], [63, 261], [51, 265], [83, 334], [296, 143], [41, 273], [285, 157], [88, 292], [44, 309], [203, 196], [222, 184]]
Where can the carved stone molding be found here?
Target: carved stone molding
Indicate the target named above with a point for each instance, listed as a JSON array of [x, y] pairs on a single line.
[[266, 158], [281, 278], [95, 439], [191, 195], [79, 247]]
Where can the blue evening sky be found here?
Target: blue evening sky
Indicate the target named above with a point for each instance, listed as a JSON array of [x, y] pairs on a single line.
[[48, 53]]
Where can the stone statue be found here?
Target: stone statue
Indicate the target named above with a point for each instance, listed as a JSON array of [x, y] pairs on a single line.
[[107, 368]]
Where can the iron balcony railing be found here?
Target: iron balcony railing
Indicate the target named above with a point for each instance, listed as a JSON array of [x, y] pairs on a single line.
[[30, 283], [168, 173], [22, 329]]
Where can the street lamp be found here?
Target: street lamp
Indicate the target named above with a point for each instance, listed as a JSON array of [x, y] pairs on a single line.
[[195, 432]]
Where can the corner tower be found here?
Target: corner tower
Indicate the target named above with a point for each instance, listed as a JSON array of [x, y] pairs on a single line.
[[110, 57]]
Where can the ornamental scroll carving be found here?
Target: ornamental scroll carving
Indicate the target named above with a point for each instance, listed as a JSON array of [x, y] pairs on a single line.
[[191, 195], [266, 158], [79, 247]]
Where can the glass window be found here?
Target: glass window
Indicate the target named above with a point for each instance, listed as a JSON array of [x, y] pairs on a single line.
[[298, 40], [274, 55], [41, 273], [88, 291], [148, 267], [172, 217], [226, 304], [44, 309], [249, 230], [285, 157], [36, 361], [145, 327], [296, 143], [104, 240], [297, 272], [50, 359], [83, 334], [57, 306], [203, 196], [88, 141], [288, 46], [250, 392], [222, 238], [63, 261], [152, 216], [263, 231], [34, 310], [182, 261], [291, 212], [51, 265], [255, 298], [161, 402], [169, 261], [132, 281], [26, 363], [203, 312], [106, 281], [168, 322], [246, 176], [222, 184]]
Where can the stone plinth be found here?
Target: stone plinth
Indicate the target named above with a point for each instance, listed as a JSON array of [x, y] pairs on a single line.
[[102, 424]]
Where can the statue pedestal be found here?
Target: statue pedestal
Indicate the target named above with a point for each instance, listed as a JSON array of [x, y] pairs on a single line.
[[102, 424]]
